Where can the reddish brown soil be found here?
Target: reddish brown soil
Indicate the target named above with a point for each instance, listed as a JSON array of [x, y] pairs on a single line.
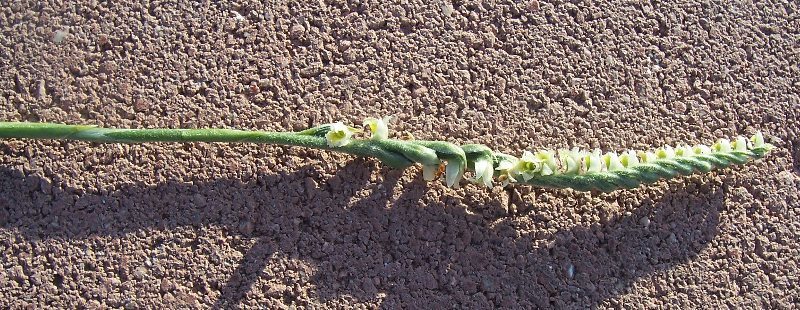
[[202, 225]]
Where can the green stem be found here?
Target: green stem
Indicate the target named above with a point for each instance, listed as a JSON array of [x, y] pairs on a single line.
[[110, 135]]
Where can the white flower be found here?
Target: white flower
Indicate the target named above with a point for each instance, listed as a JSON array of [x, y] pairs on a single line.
[[548, 160], [684, 150], [484, 172], [723, 145], [506, 167], [647, 156], [702, 149], [570, 160], [611, 159], [665, 152], [592, 162], [339, 135], [378, 127], [758, 140], [528, 165], [629, 159]]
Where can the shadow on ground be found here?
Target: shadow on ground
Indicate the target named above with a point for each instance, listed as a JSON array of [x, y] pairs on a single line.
[[428, 256]]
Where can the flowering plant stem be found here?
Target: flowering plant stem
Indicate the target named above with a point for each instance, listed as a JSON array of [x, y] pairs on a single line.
[[307, 138], [575, 169]]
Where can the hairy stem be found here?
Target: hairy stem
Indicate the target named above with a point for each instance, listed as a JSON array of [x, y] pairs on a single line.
[[111, 135]]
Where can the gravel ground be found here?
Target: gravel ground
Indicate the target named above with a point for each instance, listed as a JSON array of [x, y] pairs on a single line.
[[199, 225]]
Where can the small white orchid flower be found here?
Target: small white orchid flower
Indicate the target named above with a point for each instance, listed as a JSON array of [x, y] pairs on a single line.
[[665, 152], [549, 164], [758, 140], [506, 167], [484, 172], [611, 159], [378, 127], [629, 159], [648, 156], [723, 145], [339, 134], [529, 165], [570, 160], [592, 162], [684, 150], [702, 149]]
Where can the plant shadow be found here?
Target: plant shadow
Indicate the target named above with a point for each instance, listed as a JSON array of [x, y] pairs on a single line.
[[368, 238]]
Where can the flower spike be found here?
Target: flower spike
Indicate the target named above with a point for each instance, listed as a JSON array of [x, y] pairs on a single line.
[[577, 169]]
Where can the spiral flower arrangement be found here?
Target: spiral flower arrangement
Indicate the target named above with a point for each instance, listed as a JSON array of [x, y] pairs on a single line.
[[581, 170]]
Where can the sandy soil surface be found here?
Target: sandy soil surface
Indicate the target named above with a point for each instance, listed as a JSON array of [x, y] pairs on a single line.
[[215, 225]]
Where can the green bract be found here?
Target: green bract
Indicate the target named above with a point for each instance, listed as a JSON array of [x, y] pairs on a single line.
[[577, 169]]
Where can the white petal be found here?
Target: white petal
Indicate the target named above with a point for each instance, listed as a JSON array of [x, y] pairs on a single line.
[[546, 170], [527, 175], [480, 168], [488, 175], [506, 165], [758, 140], [528, 156], [612, 161], [740, 144], [429, 172], [593, 162], [452, 174]]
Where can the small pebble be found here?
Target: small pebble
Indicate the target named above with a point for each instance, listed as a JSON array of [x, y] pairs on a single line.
[[60, 35], [447, 8]]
